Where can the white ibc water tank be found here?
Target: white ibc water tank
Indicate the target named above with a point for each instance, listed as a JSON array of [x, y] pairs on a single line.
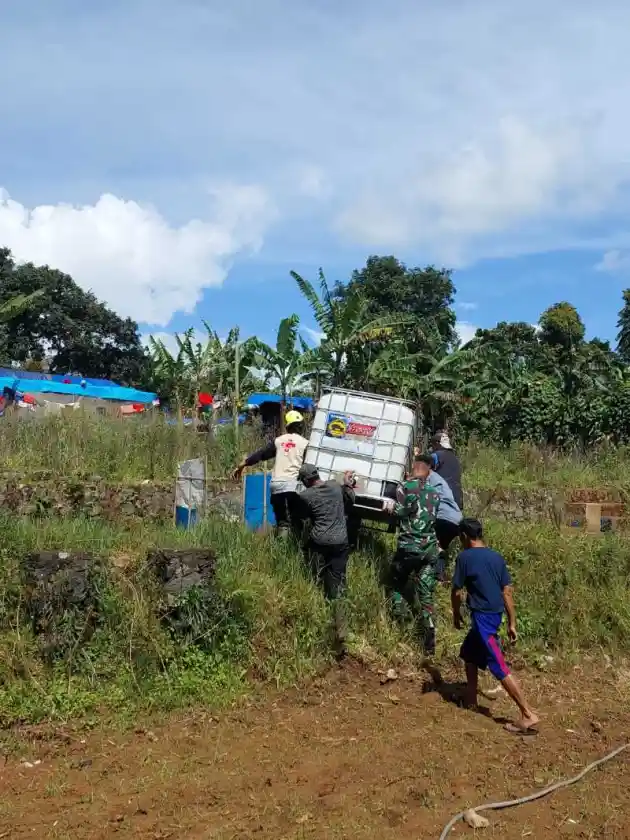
[[371, 435]]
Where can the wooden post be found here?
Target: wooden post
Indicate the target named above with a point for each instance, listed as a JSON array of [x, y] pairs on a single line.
[[205, 487], [593, 518]]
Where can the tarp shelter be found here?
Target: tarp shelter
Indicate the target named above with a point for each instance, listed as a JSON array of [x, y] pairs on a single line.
[[105, 392], [269, 407], [300, 403], [67, 378], [8, 382]]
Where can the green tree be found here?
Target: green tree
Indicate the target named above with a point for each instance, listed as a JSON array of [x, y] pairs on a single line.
[[14, 307], [447, 383], [349, 331], [169, 374], [561, 326], [516, 340], [77, 332], [289, 362], [203, 366], [424, 295], [623, 326]]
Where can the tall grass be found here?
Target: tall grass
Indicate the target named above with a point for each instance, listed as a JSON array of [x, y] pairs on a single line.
[[138, 449], [271, 623], [134, 449], [523, 465], [571, 597]]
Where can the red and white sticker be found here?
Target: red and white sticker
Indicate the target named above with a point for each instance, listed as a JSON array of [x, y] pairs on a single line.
[[360, 429]]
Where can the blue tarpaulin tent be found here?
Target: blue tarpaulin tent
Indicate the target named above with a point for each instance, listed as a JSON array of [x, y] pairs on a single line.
[[256, 400], [7, 382], [55, 377], [112, 392], [77, 380]]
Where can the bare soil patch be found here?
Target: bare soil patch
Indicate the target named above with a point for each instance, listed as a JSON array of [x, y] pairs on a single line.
[[343, 757]]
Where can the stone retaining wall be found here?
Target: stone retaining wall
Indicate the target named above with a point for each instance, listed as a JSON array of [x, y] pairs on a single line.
[[539, 505], [94, 497]]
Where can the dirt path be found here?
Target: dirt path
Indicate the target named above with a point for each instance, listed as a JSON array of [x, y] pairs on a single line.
[[343, 758]]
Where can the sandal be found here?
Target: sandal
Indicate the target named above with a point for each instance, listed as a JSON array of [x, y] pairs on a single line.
[[519, 729]]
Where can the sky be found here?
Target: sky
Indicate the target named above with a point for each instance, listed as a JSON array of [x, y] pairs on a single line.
[[180, 157]]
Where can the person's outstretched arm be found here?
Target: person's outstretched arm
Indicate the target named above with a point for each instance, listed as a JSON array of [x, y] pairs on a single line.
[[265, 453], [508, 601]]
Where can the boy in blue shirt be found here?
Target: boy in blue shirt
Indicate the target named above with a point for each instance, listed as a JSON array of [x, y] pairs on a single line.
[[484, 575]]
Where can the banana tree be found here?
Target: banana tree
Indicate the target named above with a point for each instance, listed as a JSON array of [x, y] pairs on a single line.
[[203, 366], [170, 372], [447, 381], [290, 362], [213, 366], [343, 323]]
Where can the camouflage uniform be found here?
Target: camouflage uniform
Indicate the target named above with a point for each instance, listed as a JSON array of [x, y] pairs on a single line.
[[413, 572]]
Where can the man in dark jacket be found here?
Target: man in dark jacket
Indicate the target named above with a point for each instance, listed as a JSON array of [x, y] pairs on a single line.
[[326, 504], [447, 464]]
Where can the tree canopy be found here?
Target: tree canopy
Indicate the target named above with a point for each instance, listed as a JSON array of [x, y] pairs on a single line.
[[388, 329], [74, 330]]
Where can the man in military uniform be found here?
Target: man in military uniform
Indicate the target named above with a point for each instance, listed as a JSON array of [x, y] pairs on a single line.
[[413, 573]]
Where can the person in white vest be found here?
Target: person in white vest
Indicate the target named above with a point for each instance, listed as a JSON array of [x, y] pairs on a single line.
[[288, 451]]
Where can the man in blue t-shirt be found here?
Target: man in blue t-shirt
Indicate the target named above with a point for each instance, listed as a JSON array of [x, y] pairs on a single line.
[[484, 575]]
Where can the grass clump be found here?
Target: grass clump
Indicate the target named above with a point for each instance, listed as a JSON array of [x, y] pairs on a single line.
[[131, 450]]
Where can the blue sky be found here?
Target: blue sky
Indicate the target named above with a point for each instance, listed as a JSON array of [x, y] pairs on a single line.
[[179, 157]]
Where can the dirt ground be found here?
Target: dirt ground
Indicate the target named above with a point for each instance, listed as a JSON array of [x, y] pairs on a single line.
[[344, 757]]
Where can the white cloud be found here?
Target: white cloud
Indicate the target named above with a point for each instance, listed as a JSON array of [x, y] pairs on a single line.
[[312, 182], [466, 305], [614, 262], [130, 256], [316, 336], [169, 340], [461, 129], [465, 331]]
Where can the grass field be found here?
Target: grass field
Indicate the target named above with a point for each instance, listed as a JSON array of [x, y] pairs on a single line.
[[237, 724], [270, 623], [141, 449]]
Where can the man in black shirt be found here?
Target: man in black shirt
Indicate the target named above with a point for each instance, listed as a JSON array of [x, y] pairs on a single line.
[[447, 464], [326, 504]]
